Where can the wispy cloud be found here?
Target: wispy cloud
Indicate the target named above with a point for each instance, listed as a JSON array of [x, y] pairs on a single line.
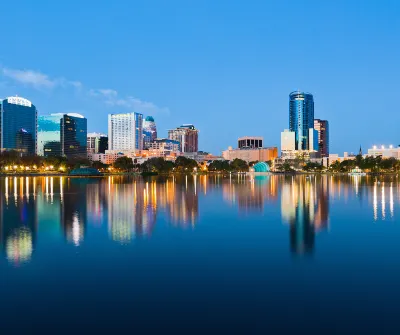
[[29, 77], [37, 79], [111, 97]]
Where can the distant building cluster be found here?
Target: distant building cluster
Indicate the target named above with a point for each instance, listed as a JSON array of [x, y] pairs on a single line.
[[306, 136], [59, 134], [135, 135]]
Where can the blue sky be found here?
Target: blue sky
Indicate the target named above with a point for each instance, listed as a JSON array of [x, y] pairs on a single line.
[[225, 66]]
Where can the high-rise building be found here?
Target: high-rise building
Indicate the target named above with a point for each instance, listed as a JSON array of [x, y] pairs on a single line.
[[250, 142], [73, 136], [18, 127], [322, 127], [97, 143], [313, 140], [125, 131], [49, 133], [288, 142], [149, 131], [187, 135], [301, 117], [52, 148]]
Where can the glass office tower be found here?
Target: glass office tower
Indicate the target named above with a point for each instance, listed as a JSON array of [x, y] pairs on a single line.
[[18, 125], [73, 136], [48, 133], [301, 117]]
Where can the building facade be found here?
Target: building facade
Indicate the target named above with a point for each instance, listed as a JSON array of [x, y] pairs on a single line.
[[73, 136], [125, 131], [165, 144], [149, 131], [97, 143], [313, 141], [49, 130], [18, 128], [52, 148], [322, 127], [138, 131], [251, 155], [385, 151], [301, 117], [288, 142], [250, 142], [188, 137]]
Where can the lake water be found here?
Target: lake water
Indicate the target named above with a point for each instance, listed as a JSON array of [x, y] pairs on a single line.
[[200, 254]]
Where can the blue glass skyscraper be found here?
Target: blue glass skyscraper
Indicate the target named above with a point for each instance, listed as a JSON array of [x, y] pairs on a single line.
[[18, 125], [49, 134], [301, 117], [73, 136]]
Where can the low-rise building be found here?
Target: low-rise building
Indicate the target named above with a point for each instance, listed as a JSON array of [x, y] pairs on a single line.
[[201, 156], [250, 142], [106, 158], [332, 158], [251, 155], [386, 152]]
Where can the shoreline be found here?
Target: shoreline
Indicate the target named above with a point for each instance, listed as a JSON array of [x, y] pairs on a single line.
[[59, 174]]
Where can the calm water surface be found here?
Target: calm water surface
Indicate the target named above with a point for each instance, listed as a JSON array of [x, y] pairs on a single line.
[[200, 254]]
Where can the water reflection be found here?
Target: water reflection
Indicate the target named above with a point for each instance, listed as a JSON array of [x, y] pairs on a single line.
[[128, 208], [305, 206]]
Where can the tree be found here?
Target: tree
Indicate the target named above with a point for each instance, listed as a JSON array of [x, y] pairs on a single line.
[[157, 164], [123, 163], [239, 165], [335, 166], [99, 165], [219, 166], [310, 166], [285, 167], [183, 164]]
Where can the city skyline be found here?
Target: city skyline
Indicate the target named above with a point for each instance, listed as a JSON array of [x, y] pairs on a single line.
[[209, 82]]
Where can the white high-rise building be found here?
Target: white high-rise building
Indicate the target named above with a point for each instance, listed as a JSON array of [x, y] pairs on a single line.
[[125, 131], [288, 142]]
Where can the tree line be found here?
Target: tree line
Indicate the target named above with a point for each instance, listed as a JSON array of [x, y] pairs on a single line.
[[368, 164]]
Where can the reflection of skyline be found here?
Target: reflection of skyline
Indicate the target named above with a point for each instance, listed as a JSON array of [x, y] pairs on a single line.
[[305, 206], [131, 210], [250, 195], [127, 208], [383, 200], [74, 211], [18, 223]]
